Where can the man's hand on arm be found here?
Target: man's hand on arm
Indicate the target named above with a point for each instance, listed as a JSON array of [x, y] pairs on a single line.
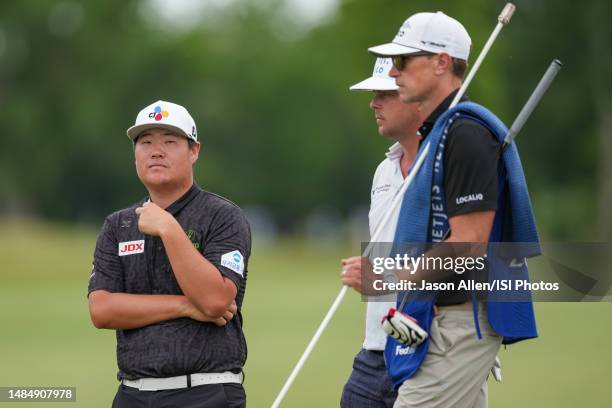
[[131, 311], [201, 282], [194, 313], [351, 272]]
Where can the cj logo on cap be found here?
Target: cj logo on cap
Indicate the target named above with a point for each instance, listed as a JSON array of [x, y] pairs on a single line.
[[158, 113], [131, 247]]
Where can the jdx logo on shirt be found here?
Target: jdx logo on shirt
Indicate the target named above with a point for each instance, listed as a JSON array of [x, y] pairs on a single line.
[[131, 247]]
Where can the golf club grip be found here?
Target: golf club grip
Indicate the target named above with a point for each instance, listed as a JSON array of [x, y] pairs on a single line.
[[533, 101], [506, 14]]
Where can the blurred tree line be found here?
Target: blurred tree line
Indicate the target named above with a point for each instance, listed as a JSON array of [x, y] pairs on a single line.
[[278, 126]]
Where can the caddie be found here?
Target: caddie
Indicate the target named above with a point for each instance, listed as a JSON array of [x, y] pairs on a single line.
[[468, 190], [169, 275], [369, 385]]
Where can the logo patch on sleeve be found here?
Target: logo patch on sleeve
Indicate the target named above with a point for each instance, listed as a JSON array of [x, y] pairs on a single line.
[[131, 247], [234, 261]]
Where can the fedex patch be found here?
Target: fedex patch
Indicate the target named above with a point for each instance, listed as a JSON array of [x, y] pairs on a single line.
[[131, 247], [234, 261]]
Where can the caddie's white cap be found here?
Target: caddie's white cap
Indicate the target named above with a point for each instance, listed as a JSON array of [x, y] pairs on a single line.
[[431, 32], [380, 79], [165, 115]]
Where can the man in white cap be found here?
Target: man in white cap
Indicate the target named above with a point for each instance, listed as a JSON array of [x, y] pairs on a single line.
[[169, 275], [450, 368], [369, 385]]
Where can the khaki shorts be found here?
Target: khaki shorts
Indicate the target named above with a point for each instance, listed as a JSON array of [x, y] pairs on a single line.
[[454, 372]]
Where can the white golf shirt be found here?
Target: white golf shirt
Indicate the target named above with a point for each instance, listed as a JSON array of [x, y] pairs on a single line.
[[387, 182]]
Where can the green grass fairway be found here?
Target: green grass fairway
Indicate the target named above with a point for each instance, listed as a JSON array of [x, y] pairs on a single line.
[[47, 339]]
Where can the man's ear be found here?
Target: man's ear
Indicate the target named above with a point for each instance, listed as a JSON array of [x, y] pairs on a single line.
[[195, 152], [443, 63]]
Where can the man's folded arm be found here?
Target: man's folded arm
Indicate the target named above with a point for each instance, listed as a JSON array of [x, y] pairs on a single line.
[[203, 284], [131, 311]]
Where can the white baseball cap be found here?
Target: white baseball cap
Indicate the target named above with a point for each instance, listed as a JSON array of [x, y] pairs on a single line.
[[431, 32], [167, 115], [380, 79]]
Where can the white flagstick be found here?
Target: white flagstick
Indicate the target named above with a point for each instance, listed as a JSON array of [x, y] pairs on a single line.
[[334, 306]]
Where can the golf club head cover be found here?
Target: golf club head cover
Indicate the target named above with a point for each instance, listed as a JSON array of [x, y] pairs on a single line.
[[403, 328]]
